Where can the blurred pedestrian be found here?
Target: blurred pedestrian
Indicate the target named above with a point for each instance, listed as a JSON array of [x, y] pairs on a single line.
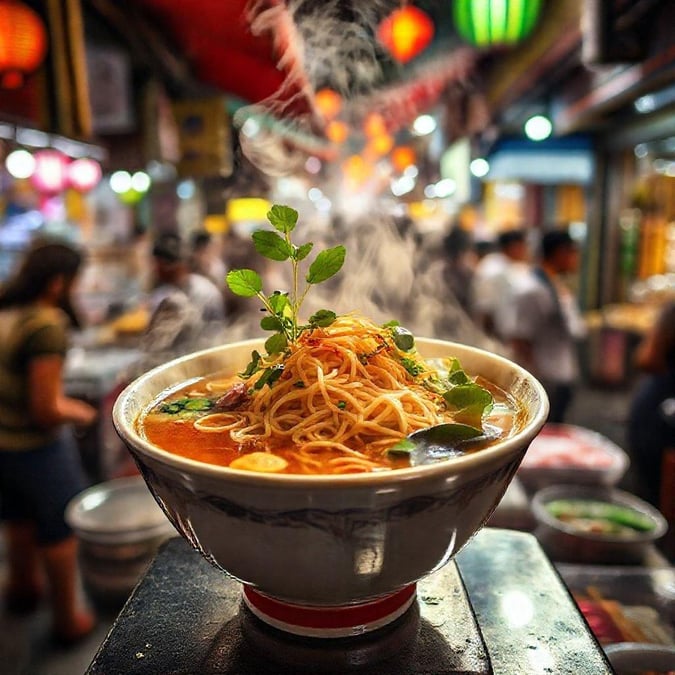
[[459, 264], [186, 309], [651, 421], [205, 258], [493, 276], [546, 323], [40, 466], [481, 248]]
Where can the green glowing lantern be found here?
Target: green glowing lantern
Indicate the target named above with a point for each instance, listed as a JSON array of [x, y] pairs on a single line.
[[489, 23]]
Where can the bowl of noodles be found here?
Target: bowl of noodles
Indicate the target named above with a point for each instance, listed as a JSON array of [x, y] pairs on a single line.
[[306, 487]]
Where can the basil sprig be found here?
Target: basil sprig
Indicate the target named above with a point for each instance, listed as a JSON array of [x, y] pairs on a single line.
[[283, 308]]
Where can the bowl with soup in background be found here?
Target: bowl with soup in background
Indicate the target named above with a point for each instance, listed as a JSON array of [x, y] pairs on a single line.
[[595, 524], [330, 540]]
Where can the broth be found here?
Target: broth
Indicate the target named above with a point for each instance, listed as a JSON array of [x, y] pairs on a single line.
[[175, 432]]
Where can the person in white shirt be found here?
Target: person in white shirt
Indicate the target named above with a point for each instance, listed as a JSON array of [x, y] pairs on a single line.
[[493, 278], [186, 309], [546, 322]]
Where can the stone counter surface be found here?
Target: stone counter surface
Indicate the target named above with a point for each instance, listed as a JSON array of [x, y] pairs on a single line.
[[499, 608]]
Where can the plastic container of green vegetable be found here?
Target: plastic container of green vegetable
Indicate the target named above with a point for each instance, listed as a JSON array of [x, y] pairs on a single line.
[[595, 524]]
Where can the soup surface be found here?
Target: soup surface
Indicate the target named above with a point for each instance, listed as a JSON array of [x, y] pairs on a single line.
[[342, 400], [179, 424]]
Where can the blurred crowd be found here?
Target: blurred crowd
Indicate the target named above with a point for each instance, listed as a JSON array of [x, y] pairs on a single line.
[[513, 295]]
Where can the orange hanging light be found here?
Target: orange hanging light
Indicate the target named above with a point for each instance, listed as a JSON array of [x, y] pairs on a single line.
[[406, 32], [378, 146], [356, 170], [328, 102], [374, 125], [23, 43], [337, 131], [402, 157]]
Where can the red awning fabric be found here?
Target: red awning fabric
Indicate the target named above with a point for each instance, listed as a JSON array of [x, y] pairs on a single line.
[[216, 39]]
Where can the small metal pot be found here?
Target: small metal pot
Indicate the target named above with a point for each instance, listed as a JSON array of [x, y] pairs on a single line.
[[120, 527]]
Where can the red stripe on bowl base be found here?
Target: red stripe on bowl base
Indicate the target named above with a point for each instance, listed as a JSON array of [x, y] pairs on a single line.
[[329, 621]]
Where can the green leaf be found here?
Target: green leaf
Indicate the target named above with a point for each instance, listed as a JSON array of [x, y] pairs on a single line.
[[246, 283], [445, 435], [404, 447], [470, 401], [458, 377], [326, 264], [271, 245], [301, 252], [276, 343], [322, 318], [269, 376], [403, 338], [391, 324], [271, 323], [253, 366], [278, 302], [282, 218]]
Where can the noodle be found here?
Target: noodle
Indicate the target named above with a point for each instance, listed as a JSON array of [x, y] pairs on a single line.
[[342, 389], [343, 396]]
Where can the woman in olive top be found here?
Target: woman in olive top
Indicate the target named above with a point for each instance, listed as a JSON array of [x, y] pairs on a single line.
[[40, 470]]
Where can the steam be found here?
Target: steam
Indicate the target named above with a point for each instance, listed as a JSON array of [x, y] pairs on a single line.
[[392, 270], [318, 44], [326, 43]]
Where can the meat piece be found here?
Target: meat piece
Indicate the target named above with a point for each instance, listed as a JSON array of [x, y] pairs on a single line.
[[233, 398]]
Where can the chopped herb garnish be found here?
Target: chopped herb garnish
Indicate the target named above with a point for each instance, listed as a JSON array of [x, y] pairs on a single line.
[[342, 404], [187, 404], [299, 384], [413, 367]]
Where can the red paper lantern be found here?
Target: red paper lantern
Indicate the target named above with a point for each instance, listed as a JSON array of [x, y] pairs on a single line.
[[406, 32], [23, 43]]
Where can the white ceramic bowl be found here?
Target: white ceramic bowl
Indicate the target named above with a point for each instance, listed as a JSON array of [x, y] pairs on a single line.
[[329, 540]]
